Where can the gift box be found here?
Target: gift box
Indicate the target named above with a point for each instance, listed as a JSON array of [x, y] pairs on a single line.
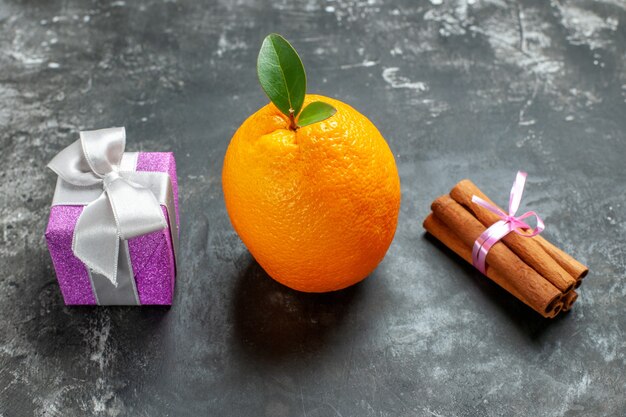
[[113, 227]]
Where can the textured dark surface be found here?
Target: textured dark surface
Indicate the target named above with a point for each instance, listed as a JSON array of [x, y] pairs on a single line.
[[460, 89]]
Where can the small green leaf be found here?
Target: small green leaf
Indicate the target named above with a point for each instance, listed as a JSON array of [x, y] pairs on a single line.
[[315, 112], [281, 74]]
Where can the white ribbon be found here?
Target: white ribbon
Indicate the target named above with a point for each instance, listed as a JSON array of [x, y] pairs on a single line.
[[125, 209]]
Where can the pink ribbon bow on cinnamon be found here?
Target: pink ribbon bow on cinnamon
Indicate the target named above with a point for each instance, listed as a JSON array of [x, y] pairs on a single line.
[[509, 223]]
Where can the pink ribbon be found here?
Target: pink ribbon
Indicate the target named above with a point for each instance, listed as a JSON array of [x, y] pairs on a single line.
[[509, 223]]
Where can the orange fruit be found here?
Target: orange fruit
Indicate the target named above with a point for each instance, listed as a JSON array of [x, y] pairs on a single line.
[[316, 207]]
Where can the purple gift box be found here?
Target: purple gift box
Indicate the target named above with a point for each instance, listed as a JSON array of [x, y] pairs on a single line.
[[151, 256]]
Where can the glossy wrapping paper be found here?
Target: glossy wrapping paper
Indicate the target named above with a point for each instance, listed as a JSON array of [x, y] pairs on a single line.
[[151, 255]]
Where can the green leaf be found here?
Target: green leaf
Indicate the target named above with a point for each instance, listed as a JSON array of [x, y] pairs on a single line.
[[281, 74], [315, 112]]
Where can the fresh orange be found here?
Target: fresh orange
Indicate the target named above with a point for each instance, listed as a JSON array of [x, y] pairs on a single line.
[[316, 207]]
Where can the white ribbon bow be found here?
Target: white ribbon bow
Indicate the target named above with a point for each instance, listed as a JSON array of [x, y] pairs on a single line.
[[124, 210]]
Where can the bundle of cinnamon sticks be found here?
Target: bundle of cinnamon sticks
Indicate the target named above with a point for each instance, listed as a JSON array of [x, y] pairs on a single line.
[[532, 269]]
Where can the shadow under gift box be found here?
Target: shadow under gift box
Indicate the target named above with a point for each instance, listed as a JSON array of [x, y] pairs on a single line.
[[151, 255]]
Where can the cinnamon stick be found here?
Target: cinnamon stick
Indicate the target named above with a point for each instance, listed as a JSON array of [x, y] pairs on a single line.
[[445, 235], [557, 309], [459, 226], [568, 300], [529, 250], [571, 265]]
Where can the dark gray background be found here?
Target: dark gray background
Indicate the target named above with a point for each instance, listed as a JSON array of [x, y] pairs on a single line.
[[460, 89]]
